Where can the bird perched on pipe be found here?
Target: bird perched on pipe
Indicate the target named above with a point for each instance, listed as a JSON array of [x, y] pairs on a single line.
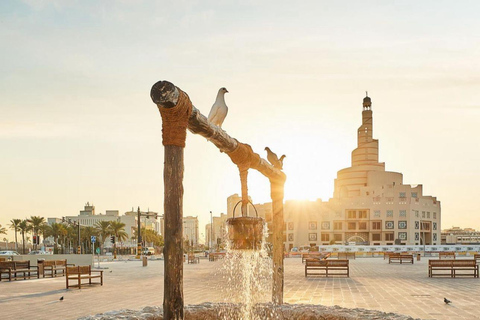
[[273, 159], [219, 110], [446, 301]]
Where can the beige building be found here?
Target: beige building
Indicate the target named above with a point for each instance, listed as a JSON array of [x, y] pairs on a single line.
[[89, 218], [369, 205], [456, 235], [215, 236]]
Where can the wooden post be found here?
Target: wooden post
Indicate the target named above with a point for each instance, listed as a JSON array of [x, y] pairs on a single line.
[[174, 123], [276, 189], [169, 97]]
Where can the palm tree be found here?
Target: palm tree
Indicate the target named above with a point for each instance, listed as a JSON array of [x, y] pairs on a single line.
[[56, 230], [24, 227], [36, 222], [103, 230], [14, 225], [117, 229], [3, 230], [86, 236]]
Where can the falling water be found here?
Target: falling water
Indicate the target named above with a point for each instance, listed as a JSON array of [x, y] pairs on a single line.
[[248, 274]]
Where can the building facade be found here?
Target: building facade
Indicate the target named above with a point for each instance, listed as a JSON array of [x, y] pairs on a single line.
[[369, 206], [456, 235]]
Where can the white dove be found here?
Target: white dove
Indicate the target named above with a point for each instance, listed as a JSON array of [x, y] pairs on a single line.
[[219, 110]]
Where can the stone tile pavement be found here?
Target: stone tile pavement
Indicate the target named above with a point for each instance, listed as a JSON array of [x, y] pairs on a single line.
[[373, 284]]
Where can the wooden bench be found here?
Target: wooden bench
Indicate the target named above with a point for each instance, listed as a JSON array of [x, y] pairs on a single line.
[[346, 255], [54, 267], [193, 259], [327, 268], [446, 255], [452, 266], [400, 258], [80, 273], [18, 270], [3, 259]]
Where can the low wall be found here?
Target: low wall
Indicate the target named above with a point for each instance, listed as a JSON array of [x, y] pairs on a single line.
[[77, 259]]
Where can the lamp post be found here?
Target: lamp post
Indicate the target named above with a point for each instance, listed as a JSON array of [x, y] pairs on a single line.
[[211, 231]]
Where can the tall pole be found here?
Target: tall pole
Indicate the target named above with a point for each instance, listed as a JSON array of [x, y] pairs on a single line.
[[79, 249], [174, 132], [139, 236], [276, 190], [211, 230]]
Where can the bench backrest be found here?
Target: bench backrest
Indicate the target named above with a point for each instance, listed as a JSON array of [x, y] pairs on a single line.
[[78, 270], [61, 262], [48, 263], [448, 255], [452, 263], [337, 263], [7, 264], [22, 264], [330, 263]]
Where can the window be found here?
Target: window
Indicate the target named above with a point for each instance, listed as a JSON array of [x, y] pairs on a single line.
[[326, 225], [337, 226], [417, 225], [362, 226], [389, 200], [389, 225], [414, 194], [423, 214], [290, 237], [402, 235], [402, 195], [434, 237], [352, 214], [376, 237], [290, 226], [428, 215], [312, 225], [362, 214], [403, 213], [402, 224], [376, 225], [389, 213], [337, 237], [434, 226], [352, 226], [434, 215], [417, 215], [376, 214], [312, 237], [325, 237], [389, 236], [417, 236]]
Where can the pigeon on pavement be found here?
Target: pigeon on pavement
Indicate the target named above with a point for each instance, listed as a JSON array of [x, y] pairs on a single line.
[[446, 301], [273, 159], [61, 298], [219, 110]]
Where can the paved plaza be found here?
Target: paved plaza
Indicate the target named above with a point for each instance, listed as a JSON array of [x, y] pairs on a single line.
[[373, 284]]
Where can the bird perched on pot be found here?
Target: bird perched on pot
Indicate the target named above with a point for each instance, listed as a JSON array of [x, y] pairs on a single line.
[[219, 110], [273, 159]]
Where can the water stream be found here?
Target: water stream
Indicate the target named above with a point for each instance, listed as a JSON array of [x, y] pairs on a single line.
[[248, 276]]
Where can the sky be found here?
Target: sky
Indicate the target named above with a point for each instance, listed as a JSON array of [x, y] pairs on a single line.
[[77, 123]]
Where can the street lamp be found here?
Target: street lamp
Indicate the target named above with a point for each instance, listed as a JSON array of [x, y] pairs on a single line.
[[211, 231]]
